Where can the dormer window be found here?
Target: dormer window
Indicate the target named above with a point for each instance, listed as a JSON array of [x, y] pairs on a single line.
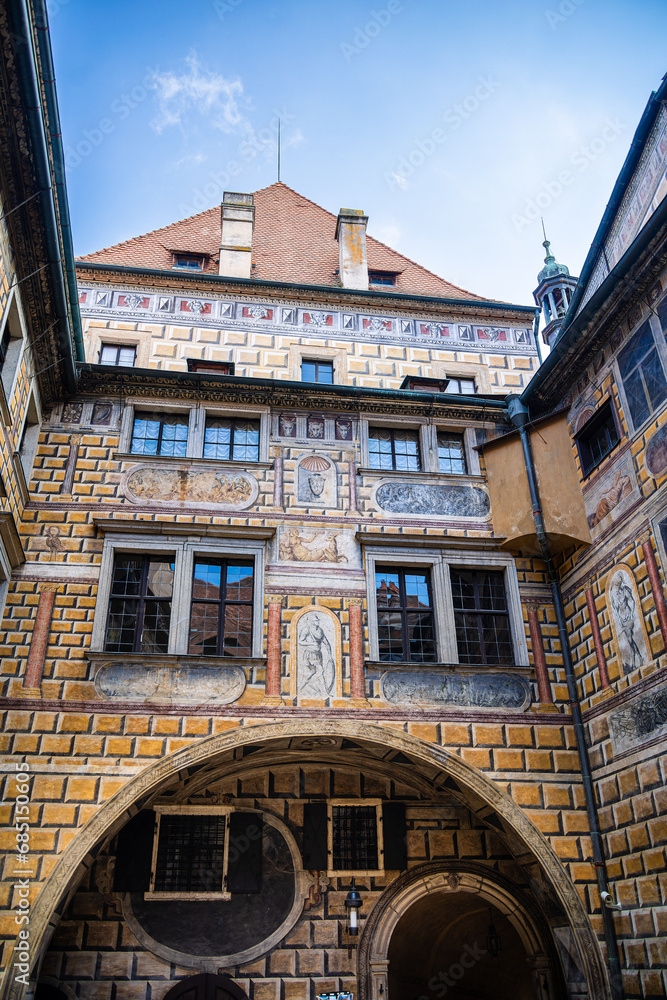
[[188, 262], [382, 277]]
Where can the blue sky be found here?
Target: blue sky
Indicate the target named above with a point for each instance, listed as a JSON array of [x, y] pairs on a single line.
[[452, 123]]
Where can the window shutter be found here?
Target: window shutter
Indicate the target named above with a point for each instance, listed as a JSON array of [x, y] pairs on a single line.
[[134, 854], [394, 836], [315, 836], [244, 861]]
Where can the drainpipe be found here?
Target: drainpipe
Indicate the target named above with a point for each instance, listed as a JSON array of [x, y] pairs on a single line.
[[519, 414]]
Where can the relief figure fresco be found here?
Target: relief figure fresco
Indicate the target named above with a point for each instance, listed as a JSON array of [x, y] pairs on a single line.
[[321, 546], [625, 615], [316, 665], [192, 486], [443, 500]]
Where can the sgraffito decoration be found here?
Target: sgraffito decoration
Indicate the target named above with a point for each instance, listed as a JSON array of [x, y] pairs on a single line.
[[626, 619], [656, 452], [434, 688], [187, 486], [315, 659], [316, 481], [302, 545], [441, 500], [187, 684], [643, 721], [607, 496]]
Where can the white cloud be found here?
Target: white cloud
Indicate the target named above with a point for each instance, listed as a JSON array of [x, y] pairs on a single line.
[[199, 91]]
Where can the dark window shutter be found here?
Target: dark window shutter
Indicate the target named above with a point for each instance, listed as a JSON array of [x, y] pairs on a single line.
[[394, 836], [134, 854], [244, 861], [315, 836]]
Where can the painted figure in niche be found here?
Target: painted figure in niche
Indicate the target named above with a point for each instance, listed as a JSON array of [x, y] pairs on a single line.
[[620, 488], [294, 547], [316, 664], [287, 425], [628, 627]]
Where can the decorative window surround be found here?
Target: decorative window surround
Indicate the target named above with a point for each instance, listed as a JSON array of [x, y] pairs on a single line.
[[306, 352], [183, 552], [404, 553], [428, 445], [13, 322], [190, 896], [196, 428]]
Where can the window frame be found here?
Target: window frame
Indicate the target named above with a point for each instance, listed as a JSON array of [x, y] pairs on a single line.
[[142, 601], [160, 413], [459, 379], [439, 561], [196, 430], [660, 343], [183, 552], [234, 420], [377, 278], [597, 418], [222, 603], [354, 872], [193, 896], [329, 364], [12, 323], [480, 613], [197, 259], [392, 431], [404, 611], [104, 345], [428, 445]]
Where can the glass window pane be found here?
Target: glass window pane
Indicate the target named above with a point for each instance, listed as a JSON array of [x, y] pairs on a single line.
[[451, 454], [217, 439], [145, 434], [325, 372], [109, 355], [417, 590], [308, 371], [127, 576], [207, 581], [390, 636], [387, 588], [121, 626], [126, 356], [160, 580], [174, 435], [204, 625], [239, 582], [155, 633], [406, 448], [246, 441]]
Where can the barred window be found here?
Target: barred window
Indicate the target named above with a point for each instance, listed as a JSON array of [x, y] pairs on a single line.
[[481, 617], [190, 853], [140, 605], [221, 615], [451, 453], [354, 838], [393, 449], [160, 434], [232, 440], [642, 374], [406, 627]]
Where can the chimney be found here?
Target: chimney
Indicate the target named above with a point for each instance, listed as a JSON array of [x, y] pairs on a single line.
[[238, 219], [351, 236]]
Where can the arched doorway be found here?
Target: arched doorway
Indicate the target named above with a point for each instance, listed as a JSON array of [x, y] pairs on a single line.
[[439, 948], [427, 939], [206, 986]]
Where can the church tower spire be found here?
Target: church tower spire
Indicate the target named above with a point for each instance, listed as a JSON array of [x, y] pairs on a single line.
[[555, 287]]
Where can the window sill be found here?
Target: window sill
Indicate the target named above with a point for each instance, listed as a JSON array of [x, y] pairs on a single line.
[[100, 657], [459, 668], [402, 473], [126, 456]]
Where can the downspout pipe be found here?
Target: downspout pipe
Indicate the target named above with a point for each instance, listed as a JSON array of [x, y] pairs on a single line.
[[29, 84], [518, 413]]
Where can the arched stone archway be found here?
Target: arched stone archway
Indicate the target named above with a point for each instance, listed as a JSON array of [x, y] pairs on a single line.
[[110, 817], [449, 878]]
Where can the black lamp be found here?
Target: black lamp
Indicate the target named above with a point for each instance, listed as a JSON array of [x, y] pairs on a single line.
[[352, 904], [494, 945]]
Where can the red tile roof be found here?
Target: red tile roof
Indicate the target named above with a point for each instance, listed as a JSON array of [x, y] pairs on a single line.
[[293, 241]]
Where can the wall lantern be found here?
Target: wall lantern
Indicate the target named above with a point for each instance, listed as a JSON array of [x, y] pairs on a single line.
[[352, 904], [494, 945]]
